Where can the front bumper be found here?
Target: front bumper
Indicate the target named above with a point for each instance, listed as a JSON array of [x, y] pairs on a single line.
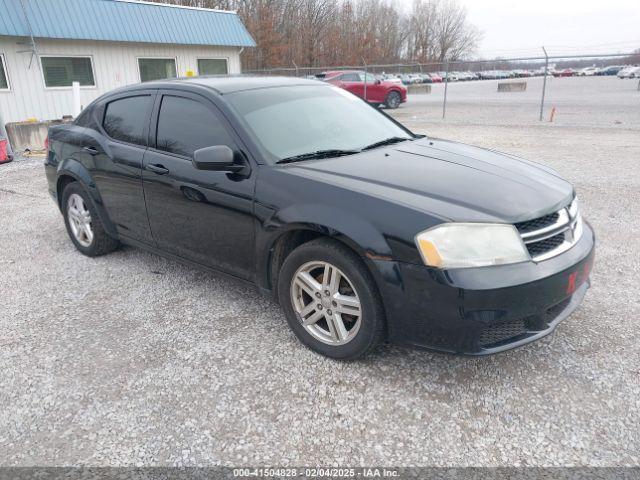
[[480, 311]]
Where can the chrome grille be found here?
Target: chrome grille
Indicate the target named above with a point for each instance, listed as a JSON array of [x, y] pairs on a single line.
[[550, 235], [546, 245], [537, 223]]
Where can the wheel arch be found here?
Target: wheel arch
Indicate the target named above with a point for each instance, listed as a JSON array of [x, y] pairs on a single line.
[[71, 170], [278, 244]]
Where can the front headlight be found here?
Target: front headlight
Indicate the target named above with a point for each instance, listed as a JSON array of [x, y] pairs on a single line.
[[463, 245]]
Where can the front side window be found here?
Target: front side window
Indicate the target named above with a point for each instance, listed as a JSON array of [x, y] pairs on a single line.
[[212, 66], [4, 79], [370, 78], [63, 71], [157, 68], [125, 119], [298, 120], [185, 125]]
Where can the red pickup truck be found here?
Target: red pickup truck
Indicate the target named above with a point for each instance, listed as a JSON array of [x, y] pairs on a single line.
[[378, 92]]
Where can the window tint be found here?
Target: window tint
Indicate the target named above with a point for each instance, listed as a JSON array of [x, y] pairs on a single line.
[[370, 78], [125, 119], [185, 126], [157, 68], [63, 71], [297, 120], [212, 66], [4, 82], [85, 118], [351, 77]]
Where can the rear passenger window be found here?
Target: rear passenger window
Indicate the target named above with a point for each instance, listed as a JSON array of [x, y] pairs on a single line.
[[125, 119], [185, 126]]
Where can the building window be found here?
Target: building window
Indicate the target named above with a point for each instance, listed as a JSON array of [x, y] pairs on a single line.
[[212, 66], [157, 68], [4, 78], [63, 71]]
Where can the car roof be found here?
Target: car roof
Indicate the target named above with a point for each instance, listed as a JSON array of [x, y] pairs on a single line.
[[226, 84]]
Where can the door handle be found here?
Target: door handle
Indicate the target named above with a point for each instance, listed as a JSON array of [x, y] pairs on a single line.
[[159, 169], [91, 150]]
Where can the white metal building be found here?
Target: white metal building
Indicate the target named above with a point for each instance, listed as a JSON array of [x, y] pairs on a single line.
[[45, 45]]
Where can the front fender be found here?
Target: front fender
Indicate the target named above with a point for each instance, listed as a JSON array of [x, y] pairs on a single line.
[[71, 167], [353, 230]]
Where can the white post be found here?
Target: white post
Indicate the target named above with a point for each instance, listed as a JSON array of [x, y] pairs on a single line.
[[76, 99]]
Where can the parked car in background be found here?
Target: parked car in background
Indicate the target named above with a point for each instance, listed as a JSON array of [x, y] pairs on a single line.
[[362, 230], [379, 92], [629, 72], [588, 72], [388, 77], [610, 70], [435, 78], [465, 76], [522, 73], [566, 72], [540, 71]]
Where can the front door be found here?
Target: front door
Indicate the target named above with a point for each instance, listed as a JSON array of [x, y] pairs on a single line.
[[203, 216]]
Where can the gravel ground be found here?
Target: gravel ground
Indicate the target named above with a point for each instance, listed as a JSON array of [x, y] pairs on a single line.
[[130, 359], [579, 101]]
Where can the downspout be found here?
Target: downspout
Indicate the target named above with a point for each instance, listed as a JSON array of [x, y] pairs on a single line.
[[239, 59]]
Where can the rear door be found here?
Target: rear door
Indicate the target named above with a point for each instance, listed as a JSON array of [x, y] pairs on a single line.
[[115, 155], [203, 216]]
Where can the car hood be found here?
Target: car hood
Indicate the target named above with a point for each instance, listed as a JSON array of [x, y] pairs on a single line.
[[446, 179]]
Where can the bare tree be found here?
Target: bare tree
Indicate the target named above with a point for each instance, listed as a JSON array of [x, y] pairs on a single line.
[[338, 32]]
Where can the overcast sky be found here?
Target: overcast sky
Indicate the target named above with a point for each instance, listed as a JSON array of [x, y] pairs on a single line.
[[521, 27]]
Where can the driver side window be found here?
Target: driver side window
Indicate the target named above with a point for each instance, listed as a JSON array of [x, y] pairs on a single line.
[[185, 125]]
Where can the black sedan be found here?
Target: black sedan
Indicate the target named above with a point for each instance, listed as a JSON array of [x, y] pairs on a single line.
[[361, 229]]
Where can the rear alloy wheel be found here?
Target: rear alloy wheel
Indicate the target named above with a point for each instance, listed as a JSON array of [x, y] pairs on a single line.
[[330, 300], [83, 223], [393, 100], [79, 220]]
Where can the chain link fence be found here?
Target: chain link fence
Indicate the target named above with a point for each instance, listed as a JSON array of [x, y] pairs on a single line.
[[532, 78]]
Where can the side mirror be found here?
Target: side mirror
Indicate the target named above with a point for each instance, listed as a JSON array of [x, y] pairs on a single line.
[[378, 81], [217, 158]]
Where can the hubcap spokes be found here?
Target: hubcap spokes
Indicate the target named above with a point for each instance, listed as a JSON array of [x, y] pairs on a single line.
[[79, 220], [326, 303]]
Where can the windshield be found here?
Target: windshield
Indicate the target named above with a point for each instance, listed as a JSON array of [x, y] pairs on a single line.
[[299, 120]]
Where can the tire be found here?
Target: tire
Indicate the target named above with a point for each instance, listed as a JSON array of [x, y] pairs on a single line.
[[393, 100], [98, 242], [348, 336]]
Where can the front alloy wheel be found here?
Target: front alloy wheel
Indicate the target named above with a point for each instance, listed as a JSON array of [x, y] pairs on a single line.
[[326, 302], [330, 299]]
